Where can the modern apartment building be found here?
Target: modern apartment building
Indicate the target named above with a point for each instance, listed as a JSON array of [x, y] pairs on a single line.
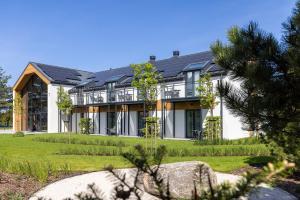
[[114, 106]]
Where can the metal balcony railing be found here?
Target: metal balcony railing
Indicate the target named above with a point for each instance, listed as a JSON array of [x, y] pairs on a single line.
[[167, 91], [179, 90]]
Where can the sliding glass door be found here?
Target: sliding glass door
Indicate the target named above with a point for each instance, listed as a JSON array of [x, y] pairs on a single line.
[[111, 123], [193, 122]]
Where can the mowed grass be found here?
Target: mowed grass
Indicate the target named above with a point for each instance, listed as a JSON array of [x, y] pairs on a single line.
[[48, 148]]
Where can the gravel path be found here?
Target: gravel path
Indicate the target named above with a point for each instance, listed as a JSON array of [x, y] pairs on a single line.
[[105, 182]]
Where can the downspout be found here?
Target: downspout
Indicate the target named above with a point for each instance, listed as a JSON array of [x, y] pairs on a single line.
[[221, 111]]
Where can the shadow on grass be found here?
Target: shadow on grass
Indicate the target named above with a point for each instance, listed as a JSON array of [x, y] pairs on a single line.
[[259, 161]]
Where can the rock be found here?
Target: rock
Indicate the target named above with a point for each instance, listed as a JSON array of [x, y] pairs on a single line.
[[181, 177]]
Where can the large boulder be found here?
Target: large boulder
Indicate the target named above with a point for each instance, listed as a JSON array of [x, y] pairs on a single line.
[[182, 177]]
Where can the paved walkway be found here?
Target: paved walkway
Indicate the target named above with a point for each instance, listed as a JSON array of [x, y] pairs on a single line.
[[105, 182]]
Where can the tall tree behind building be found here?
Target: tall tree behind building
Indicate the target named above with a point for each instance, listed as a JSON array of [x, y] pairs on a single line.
[[5, 99]]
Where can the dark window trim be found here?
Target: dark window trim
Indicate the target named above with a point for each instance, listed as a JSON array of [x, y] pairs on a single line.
[[194, 119]]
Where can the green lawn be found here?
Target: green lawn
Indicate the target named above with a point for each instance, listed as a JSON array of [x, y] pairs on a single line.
[[29, 149]]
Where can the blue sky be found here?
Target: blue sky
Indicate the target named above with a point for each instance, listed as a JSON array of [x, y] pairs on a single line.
[[94, 35]]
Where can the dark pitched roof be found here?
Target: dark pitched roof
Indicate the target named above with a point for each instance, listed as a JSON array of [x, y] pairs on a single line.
[[170, 69], [63, 75]]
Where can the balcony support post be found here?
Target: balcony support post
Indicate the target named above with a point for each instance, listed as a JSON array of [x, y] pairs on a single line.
[[173, 119]]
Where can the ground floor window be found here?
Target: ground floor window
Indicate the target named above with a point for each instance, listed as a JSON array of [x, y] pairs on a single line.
[[193, 123], [35, 94], [111, 123], [141, 123]]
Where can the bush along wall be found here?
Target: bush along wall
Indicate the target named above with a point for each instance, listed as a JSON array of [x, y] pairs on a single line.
[[85, 125], [212, 128]]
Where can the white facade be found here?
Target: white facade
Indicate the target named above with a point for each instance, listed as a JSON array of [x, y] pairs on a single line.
[[55, 123], [173, 122], [178, 109]]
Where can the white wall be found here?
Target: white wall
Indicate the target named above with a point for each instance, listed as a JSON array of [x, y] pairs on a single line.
[[96, 123], [103, 123], [180, 123], [53, 117], [133, 123], [169, 123], [232, 125], [118, 122]]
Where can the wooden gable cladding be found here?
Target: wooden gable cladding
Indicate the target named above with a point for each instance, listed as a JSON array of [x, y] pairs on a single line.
[[20, 122], [28, 72]]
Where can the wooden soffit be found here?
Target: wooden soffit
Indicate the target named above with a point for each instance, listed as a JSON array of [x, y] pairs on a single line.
[[27, 73]]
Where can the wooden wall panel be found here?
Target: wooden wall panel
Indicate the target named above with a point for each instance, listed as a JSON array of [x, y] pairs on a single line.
[[25, 111], [187, 105], [28, 72], [140, 107]]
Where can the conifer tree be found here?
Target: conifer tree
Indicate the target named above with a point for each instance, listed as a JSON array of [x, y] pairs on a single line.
[[268, 99]]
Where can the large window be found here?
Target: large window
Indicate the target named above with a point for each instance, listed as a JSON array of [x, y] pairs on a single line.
[[111, 123], [193, 123], [36, 95], [192, 82], [111, 95]]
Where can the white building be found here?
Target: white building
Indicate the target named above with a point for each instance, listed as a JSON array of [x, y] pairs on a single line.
[[113, 105]]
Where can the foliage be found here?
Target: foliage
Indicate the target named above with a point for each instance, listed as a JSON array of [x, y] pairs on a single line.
[[37, 151], [268, 72], [207, 95], [38, 170], [249, 182], [145, 79], [82, 141], [242, 141], [152, 124], [64, 101], [150, 164], [5, 91], [11, 196], [18, 104], [6, 118], [18, 107], [210, 150], [212, 128], [85, 125], [18, 134]]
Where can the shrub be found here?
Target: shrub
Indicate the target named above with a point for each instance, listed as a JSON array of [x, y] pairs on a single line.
[[38, 170], [221, 150], [18, 134], [245, 141], [85, 125], [211, 150], [91, 151], [212, 130], [82, 141]]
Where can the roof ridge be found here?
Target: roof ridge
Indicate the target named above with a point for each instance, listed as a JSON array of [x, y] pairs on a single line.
[[192, 54], [61, 67]]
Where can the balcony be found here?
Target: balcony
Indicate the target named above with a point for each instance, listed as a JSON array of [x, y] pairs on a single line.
[[130, 94], [179, 90], [124, 95]]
